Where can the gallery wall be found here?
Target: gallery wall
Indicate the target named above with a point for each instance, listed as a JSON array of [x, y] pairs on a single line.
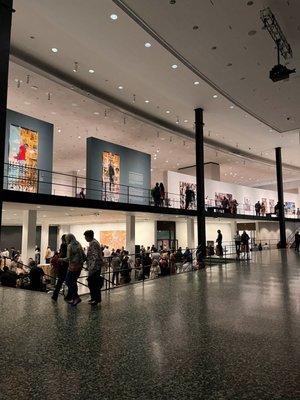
[[243, 194], [117, 167], [39, 153]]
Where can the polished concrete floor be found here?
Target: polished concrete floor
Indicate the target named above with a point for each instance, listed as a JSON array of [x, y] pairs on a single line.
[[225, 333]]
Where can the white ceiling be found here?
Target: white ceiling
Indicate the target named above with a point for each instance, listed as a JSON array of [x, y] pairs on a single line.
[[230, 48], [83, 32]]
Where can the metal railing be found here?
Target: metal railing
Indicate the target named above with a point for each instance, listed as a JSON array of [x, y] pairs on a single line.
[[34, 180]]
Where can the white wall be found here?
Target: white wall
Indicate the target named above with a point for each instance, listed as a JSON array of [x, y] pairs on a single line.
[[270, 230], [144, 231], [239, 192]]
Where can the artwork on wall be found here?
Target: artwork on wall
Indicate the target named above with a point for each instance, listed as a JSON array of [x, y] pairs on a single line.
[[271, 205], [22, 159], [219, 197], [290, 207], [247, 204], [111, 175], [114, 239], [182, 190]]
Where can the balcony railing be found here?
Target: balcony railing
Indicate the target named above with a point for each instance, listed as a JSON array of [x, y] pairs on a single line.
[[33, 180]]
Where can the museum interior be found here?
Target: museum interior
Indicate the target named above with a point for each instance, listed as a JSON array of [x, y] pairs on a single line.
[[163, 127]]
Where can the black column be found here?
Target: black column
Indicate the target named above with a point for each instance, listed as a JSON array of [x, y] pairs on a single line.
[[200, 178], [5, 29], [282, 243]]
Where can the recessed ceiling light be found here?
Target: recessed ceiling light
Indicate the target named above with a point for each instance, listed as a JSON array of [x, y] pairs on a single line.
[[270, 130], [79, 137], [54, 50], [168, 112], [34, 87], [231, 107], [215, 96], [91, 71], [147, 101], [113, 17], [96, 113], [174, 66], [53, 112], [58, 130], [27, 103], [147, 44], [167, 161], [196, 83], [120, 87], [185, 121]]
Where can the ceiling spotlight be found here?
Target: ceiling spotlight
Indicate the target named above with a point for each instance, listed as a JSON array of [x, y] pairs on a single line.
[[91, 71], [54, 50], [231, 107], [96, 113], [113, 17], [177, 120], [27, 103], [79, 137], [34, 87], [120, 87], [75, 69], [196, 83], [174, 66], [59, 130], [147, 44], [270, 130], [185, 121], [168, 112], [147, 101], [215, 96]]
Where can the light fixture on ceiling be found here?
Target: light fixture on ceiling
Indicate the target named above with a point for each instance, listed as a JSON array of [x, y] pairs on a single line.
[[34, 87], [74, 104], [113, 17], [168, 111], [174, 66], [185, 121], [215, 96], [91, 71], [27, 103], [147, 44], [270, 130], [147, 101], [54, 50], [59, 130], [231, 107], [75, 69], [177, 120], [196, 83], [96, 113], [79, 137], [120, 87]]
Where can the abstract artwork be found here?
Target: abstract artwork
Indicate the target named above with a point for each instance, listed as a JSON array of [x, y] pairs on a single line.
[[22, 159], [111, 175], [114, 239], [182, 190], [247, 204]]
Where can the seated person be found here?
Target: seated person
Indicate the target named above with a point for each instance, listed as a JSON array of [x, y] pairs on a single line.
[[8, 278], [36, 277]]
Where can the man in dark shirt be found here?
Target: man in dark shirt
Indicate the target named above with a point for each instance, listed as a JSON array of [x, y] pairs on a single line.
[[36, 277], [8, 278], [62, 269], [219, 243]]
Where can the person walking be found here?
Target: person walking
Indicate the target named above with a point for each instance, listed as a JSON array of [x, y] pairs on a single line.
[[245, 243], [94, 263], [75, 258], [62, 269]]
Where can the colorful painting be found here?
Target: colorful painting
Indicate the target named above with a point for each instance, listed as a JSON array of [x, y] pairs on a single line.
[[23, 159], [271, 205], [182, 191], [290, 207], [111, 175], [219, 197], [247, 204], [114, 239]]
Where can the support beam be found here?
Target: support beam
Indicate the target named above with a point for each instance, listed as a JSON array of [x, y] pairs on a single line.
[[5, 30], [190, 225], [28, 235], [282, 243], [44, 240], [130, 234], [200, 178]]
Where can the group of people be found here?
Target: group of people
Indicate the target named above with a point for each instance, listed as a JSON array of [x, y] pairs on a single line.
[[229, 205], [159, 195], [260, 208]]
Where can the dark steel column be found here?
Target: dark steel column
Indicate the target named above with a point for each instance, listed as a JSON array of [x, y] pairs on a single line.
[[200, 178], [282, 243], [5, 29]]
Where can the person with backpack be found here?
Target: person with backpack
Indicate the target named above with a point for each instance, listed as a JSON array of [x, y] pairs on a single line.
[[75, 258], [245, 243], [94, 263]]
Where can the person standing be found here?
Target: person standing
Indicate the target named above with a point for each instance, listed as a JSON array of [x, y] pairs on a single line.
[[62, 269], [162, 194], [189, 197], [75, 258], [219, 243], [237, 241], [245, 243], [94, 262], [48, 255], [156, 195], [263, 209], [257, 207]]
